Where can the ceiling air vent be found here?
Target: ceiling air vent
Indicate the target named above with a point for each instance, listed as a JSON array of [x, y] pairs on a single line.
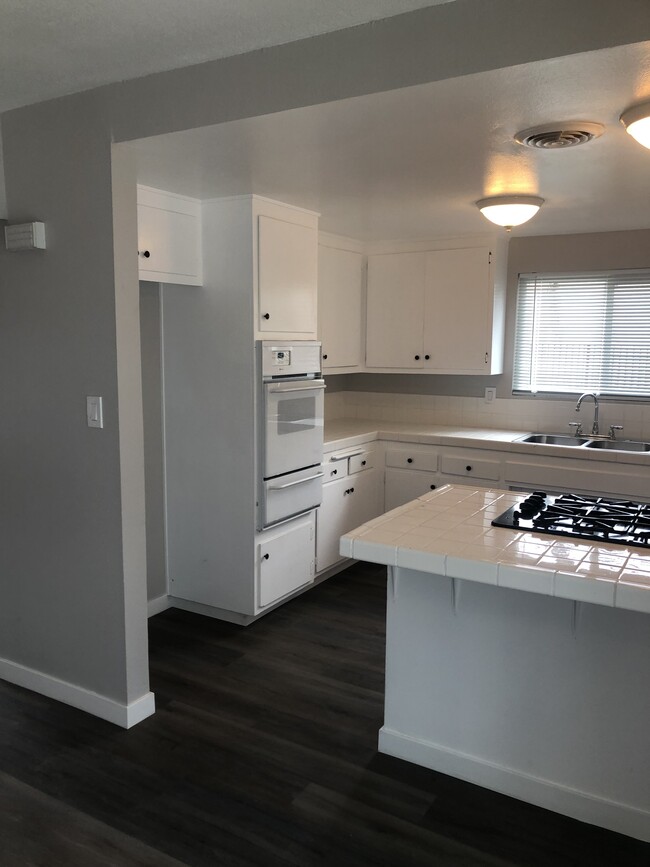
[[553, 136]]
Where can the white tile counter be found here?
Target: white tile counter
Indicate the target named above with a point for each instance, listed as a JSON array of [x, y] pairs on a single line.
[[347, 432], [538, 694], [448, 532]]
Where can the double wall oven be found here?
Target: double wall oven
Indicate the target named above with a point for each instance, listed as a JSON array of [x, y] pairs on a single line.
[[290, 406]]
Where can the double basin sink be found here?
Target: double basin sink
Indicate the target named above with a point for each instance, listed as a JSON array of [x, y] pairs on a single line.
[[585, 442]]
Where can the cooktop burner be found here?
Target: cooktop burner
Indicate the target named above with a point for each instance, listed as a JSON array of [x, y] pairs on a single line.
[[598, 518]]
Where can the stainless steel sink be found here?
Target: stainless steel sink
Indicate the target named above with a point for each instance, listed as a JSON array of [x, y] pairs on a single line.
[[619, 445], [553, 439]]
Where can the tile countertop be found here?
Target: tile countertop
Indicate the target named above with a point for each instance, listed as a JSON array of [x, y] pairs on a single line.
[[449, 532], [347, 432]]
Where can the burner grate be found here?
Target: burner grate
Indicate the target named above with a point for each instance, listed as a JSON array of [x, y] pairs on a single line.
[[597, 518]]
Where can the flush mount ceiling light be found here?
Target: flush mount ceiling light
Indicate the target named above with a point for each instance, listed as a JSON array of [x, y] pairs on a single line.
[[509, 211], [636, 121]]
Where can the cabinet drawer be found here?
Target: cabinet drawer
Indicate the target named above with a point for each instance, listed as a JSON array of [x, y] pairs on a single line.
[[361, 462], [466, 465], [412, 460], [334, 470]]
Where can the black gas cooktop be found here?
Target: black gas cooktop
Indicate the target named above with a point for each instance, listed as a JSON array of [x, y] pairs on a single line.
[[598, 518]]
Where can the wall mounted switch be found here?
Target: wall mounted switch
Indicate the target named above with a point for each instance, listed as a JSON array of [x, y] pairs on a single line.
[[94, 412], [490, 395]]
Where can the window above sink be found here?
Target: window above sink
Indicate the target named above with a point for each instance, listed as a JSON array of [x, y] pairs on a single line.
[[583, 332]]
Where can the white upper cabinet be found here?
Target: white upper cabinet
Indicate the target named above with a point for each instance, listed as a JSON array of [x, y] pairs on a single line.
[[437, 311], [287, 276], [395, 304], [340, 301], [169, 237]]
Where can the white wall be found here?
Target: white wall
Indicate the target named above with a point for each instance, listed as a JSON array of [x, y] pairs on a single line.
[[72, 499]]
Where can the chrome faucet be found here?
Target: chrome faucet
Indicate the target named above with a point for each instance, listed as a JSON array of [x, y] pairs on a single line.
[[594, 427]]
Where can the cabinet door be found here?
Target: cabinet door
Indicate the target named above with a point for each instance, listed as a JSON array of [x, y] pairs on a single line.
[[285, 559], [394, 327], [402, 486], [346, 504], [169, 244], [287, 276], [340, 274], [457, 319]]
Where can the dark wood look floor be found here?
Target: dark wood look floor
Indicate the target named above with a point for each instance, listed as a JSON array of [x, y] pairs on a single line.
[[262, 752]]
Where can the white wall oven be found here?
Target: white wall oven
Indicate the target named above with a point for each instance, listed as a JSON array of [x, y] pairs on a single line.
[[290, 429]]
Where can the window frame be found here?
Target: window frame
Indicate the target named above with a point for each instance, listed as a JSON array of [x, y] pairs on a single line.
[[524, 346]]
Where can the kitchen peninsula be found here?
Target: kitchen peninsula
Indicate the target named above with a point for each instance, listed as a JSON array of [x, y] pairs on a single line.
[[516, 661]]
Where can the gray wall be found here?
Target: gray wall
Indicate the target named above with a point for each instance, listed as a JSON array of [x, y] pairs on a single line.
[[153, 438], [590, 252], [72, 514]]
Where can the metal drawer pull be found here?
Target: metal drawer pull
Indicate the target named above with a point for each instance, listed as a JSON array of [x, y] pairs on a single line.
[[298, 482], [469, 468], [292, 390], [344, 457]]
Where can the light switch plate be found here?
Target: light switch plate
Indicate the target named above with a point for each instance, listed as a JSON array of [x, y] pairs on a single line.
[[490, 395], [94, 412]]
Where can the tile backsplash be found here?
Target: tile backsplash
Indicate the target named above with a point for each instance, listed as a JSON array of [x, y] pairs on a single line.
[[546, 416]]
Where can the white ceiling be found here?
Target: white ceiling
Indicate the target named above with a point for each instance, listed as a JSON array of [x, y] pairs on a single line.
[[49, 49], [411, 163]]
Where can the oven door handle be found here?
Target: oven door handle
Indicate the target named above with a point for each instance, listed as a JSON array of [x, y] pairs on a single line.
[[297, 482], [317, 384]]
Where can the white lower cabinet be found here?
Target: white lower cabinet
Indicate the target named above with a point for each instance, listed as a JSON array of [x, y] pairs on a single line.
[[285, 559], [347, 503], [402, 486]]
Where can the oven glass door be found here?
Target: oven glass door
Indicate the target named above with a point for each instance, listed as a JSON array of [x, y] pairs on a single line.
[[293, 425]]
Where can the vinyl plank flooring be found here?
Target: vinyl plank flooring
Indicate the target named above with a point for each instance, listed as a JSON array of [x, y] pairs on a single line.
[[263, 751]]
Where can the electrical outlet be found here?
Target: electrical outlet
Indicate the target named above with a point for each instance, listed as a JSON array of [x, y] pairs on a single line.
[[490, 395]]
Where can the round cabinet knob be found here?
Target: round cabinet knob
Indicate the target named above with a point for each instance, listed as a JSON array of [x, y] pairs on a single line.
[[433, 487], [334, 472], [363, 463], [325, 357], [145, 254], [266, 316], [427, 357], [469, 468], [417, 357], [351, 490], [266, 557], [409, 460]]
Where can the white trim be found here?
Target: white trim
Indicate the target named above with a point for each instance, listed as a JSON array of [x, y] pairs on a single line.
[[157, 605], [91, 702], [341, 242], [622, 818]]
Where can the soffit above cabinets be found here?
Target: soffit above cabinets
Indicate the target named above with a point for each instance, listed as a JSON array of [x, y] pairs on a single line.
[[77, 45], [411, 163]]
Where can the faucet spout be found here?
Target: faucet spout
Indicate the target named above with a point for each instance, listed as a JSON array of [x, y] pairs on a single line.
[[594, 427]]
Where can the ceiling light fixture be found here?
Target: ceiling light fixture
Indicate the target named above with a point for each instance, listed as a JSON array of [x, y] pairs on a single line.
[[509, 211], [636, 121]]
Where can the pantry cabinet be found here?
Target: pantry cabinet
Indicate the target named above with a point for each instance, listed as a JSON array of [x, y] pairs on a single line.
[[436, 311], [287, 256], [341, 271], [169, 237]]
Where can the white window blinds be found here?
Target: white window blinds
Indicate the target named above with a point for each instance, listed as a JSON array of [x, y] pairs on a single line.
[[583, 332]]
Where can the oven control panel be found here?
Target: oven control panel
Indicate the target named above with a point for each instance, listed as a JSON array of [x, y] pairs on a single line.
[[297, 358], [281, 357]]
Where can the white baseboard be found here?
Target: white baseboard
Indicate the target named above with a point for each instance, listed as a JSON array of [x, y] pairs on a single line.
[[553, 796], [157, 605], [124, 715]]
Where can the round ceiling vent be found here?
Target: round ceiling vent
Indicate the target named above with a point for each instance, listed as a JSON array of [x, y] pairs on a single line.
[[552, 136]]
